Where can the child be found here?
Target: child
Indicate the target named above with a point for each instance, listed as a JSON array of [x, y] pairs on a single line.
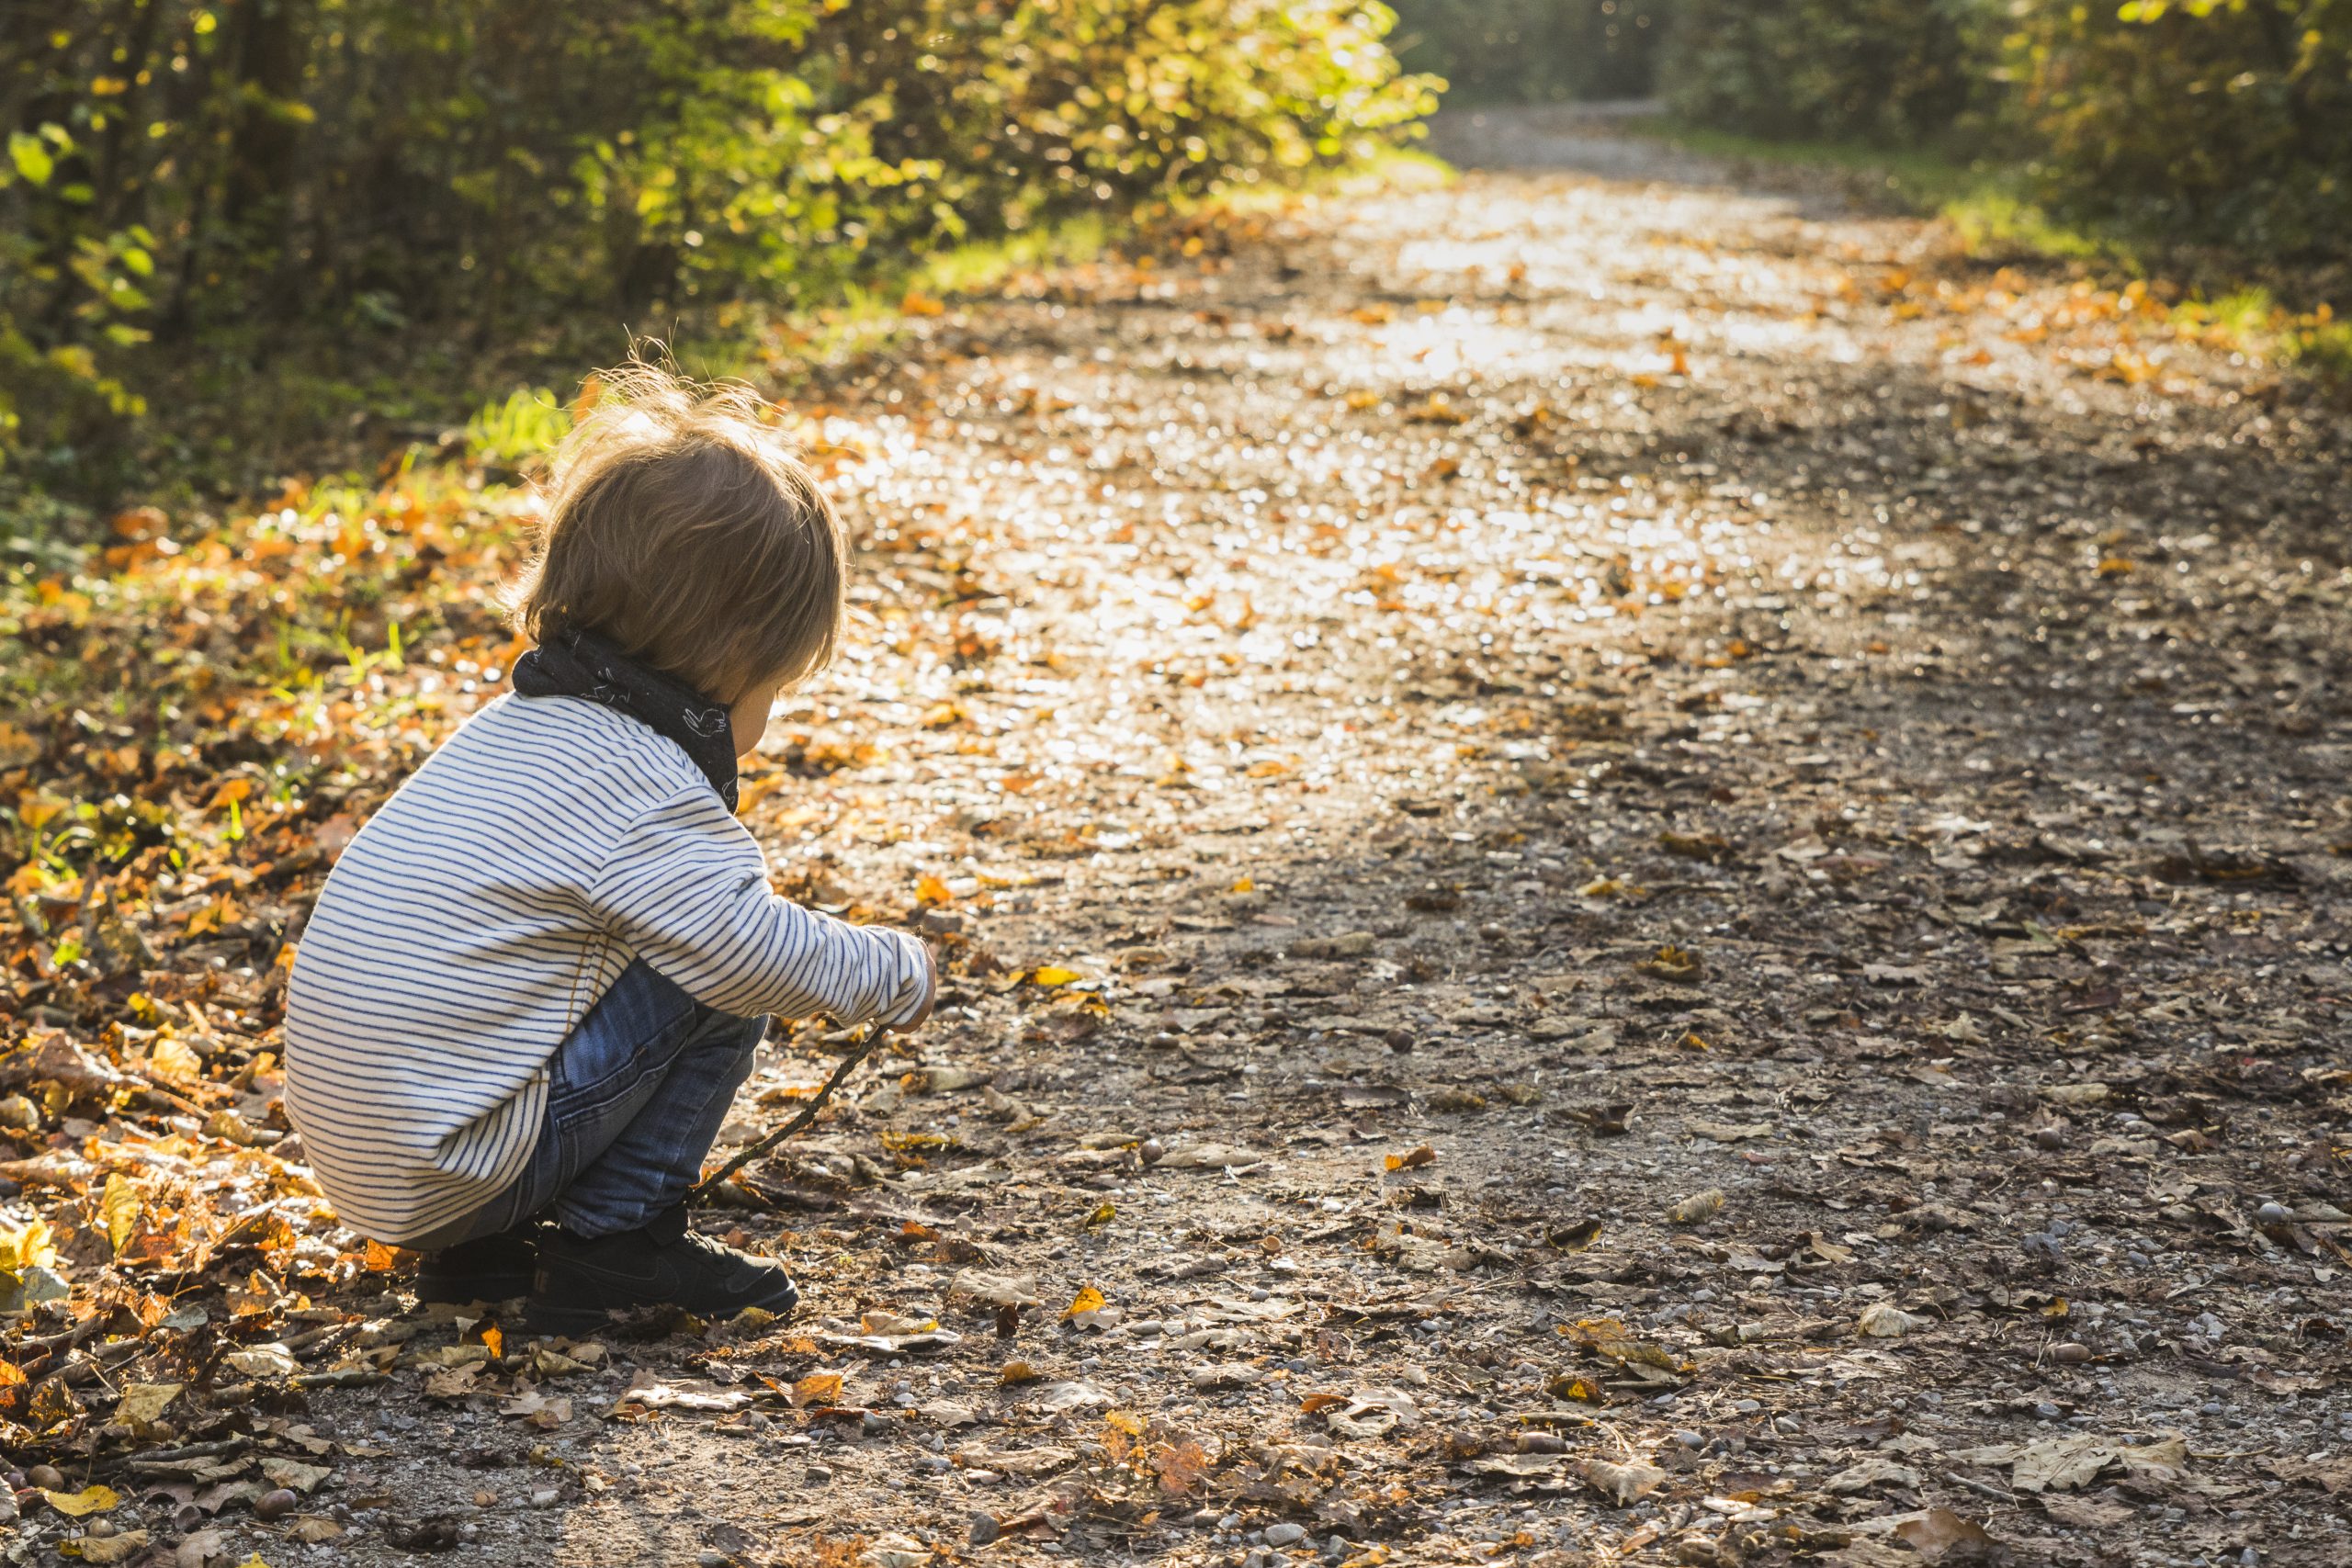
[[538, 974]]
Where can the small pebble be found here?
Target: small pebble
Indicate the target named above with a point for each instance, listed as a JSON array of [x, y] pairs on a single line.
[[817, 1476], [1285, 1534], [1539, 1443], [2273, 1214], [2070, 1353], [985, 1529], [48, 1477], [275, 1505], [2047, 1411], [1689, 1439], [710, 1559], [1152, 1152], [2049, 1137]]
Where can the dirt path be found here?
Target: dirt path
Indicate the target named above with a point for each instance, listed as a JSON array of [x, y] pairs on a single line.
[[1710, 848]]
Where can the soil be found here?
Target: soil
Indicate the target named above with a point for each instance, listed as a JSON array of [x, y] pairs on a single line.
[[1634, 869]]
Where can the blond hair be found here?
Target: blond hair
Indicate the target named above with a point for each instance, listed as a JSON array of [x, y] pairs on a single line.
[[680, 524]]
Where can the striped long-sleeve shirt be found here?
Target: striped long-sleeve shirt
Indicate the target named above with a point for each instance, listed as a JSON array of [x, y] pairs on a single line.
[[481, 913]]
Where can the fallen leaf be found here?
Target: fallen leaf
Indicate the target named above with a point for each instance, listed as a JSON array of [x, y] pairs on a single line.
[[142, 1404], [995, 1289], [80, 1504], [1624, 1485], [1883, 1320], [816, 1388], [1697, 1208], [1938, 1533], [109, 1549], [1871, 1472]]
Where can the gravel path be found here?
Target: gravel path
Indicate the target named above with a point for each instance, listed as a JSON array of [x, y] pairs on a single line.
[[1709, 846]]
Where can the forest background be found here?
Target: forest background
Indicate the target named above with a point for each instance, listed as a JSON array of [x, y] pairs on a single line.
[[242, 238]]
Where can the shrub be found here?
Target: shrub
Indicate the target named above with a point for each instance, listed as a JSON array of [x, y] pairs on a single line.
[[1534, 50], [186, 175], [2207, 120], [1865, 69]]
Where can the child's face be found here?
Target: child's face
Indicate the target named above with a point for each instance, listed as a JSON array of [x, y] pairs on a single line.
[[748, 718]]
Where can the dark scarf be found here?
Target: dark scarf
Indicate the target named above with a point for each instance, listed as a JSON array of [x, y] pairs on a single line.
[[584, 664]]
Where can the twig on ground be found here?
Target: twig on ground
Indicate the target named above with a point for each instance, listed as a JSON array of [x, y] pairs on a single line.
[[701, 1194]]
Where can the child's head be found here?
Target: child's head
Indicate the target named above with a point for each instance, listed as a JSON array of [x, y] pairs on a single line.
[[681, 527]]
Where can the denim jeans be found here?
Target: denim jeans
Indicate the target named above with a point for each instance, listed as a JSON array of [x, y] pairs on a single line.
[[636, 1094]]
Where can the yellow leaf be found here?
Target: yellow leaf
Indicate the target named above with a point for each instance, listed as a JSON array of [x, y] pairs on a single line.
[[28, 1246], [80, 1504], [931, 891], [1102, 1215], [494, 1339], [1411, 1158], [816, 1388], [1016, 1371], [142, 1403], [1246, 884], [1052, 974], [119, 1206], [1088, 1300], [173, 1057]]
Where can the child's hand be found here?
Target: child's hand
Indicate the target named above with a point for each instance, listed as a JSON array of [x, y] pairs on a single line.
[[929, 994]]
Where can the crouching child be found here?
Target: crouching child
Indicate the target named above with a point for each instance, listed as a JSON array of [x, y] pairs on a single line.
[[538, 974]]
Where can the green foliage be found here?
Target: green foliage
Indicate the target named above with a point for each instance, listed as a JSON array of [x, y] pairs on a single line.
[[207, 179], [516, 431], [1534, 50], [2225, 120], [2208, 121], [1867, 69]]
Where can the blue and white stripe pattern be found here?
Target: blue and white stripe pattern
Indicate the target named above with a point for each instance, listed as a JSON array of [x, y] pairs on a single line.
[[488, 905]]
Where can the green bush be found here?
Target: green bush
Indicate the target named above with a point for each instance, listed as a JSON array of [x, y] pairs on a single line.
[[210, 178], [1901, 70], [1534, 50], [2208, 121], [2219, 121]]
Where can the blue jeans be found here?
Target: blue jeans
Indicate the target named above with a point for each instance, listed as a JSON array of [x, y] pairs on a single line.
[[636, 1096]]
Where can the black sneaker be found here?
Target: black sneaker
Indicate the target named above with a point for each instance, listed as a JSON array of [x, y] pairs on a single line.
[[581, 1283], [488, 1268]]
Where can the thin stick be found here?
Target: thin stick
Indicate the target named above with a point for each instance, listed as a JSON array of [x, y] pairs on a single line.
[[702, 1192]]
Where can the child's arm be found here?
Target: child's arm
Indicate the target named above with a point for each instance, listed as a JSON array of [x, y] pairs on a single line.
[[686, 889]]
